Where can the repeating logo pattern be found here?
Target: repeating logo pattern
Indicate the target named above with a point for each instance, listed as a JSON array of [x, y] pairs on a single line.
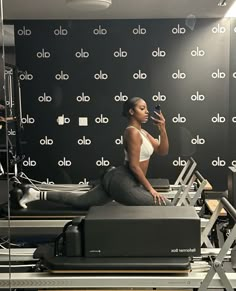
[[76, 77]]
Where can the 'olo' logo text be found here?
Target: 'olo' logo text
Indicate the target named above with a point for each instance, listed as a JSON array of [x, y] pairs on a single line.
[[62, 76], [29, 163], [46, 141], [159, 97], [218, 75], [27, 119], [26, 76], [24, 31], [179, 119], [101, 119], [140, 75], [139, 30], [198, 140], [64, 163], [83, 98], [45, 98], [102, 162], [101, 76], [121, 97], [218, 119], [60, 31], [84, 141], [178, 30], [218, 29], [218, 162], [178, 75], [197, 97], [197, 52], [82, 54], [43, 54], [120, 53], [179, 162], [158, 53], [100, 31]]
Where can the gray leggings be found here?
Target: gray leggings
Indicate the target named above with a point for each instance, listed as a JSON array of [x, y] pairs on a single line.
[[118, 184]]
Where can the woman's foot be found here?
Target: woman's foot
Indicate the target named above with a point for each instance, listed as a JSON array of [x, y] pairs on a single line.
[[30, 194]]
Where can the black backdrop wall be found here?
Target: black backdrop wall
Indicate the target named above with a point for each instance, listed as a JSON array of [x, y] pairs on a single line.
[[77, 74]]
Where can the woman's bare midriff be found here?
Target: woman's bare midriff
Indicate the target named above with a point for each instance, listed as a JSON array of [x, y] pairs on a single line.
[[143, 166]]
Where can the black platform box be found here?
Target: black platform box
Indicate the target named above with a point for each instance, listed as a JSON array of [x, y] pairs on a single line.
[[142, 231]]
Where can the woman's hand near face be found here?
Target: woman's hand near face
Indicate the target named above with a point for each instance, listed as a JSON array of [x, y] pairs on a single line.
[[161, 148], [159, 120]]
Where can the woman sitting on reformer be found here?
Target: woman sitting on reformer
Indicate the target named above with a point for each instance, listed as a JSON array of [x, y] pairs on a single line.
[[126, 184]]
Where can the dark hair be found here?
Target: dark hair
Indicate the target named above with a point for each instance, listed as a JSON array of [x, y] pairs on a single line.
[[129, 104]]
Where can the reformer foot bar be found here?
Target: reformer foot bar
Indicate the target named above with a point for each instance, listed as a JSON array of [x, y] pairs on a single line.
[[184, 195], [185, 174]]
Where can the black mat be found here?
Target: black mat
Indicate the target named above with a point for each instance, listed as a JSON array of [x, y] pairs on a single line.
[[43, 209], [62, 264], [116, 265]]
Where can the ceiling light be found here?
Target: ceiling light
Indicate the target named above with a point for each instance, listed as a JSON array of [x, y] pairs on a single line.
[[232, 11], [89, 5]]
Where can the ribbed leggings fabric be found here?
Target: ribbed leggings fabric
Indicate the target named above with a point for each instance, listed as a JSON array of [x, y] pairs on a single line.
[[118, 184]]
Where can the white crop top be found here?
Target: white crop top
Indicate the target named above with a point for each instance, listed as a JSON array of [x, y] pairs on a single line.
[[146, 149]]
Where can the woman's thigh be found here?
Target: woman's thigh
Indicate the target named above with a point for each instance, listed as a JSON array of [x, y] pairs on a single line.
[[125, 189]]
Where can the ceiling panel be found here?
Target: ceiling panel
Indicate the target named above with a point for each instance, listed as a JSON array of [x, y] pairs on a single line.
[[120, 9]]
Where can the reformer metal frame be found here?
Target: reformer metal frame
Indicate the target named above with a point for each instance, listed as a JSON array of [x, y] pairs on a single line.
[[185, 174], [14, 108], [216, 277], [217, 264], [184, 196], [52, 281]]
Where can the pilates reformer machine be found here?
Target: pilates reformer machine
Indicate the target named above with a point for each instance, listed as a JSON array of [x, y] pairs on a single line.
[[212, 268]]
